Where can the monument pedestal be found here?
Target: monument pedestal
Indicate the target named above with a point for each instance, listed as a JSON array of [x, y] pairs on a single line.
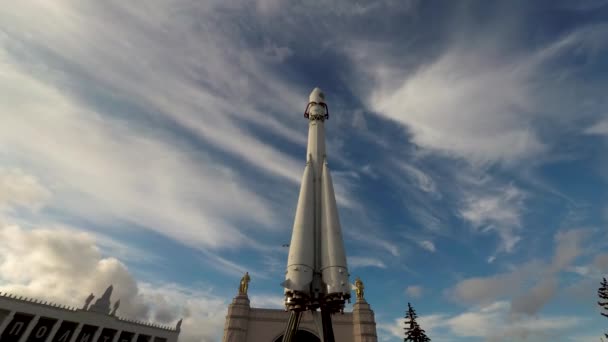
[[364, 323], [237, 319], [247, 324]]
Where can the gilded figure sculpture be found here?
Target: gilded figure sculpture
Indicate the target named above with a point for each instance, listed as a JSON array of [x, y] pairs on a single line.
[[244, 284], [359, 288]]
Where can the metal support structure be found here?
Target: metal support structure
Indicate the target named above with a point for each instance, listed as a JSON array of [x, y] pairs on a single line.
[[294, 322], [292, 326], [328, 329]]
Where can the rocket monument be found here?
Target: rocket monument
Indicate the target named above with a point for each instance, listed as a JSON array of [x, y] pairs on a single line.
[[317, 274]]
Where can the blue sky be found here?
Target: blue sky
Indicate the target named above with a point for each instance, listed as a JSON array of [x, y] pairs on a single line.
[[160, 145]]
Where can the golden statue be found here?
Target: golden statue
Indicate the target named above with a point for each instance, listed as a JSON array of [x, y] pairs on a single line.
[[359, 288], [244, 284]]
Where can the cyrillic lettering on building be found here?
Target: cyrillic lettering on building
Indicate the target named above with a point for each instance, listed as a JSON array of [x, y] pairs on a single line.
[[17, 326], [41, 331], [65, 336]]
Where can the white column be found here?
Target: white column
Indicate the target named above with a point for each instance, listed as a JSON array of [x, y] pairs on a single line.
[[54, 330], [115, 339], [97, 333], [29, 329], [76, 332], [6, 321], [134, 338]]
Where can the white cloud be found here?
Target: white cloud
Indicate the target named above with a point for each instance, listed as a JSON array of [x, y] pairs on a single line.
[[530, 285], [432, 325], [203, 313], [428, 245], [393, 329], [121, 143], [108, 170], [567, 247], [472, 103], [588, 337], [369, 170], [487, 289], [226, 266], [414, 291], [374, 240], [344, 184], [421, 179], [427, 217], [599, 128], [481, 322], [267, 301], [601, 262], [64, 266], [497, 210], [502, 208], [276, 53], [359, 121], [268, 7], [534, 299], [123, 251], [359, 262], [585, 288], [492, 322], [448, 105], [581, 270], [18, 188]]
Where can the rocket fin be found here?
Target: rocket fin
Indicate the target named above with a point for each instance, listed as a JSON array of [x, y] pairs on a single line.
[[333, 258], [300, 262]]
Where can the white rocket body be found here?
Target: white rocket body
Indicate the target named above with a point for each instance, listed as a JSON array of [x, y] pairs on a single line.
[[317, 273]]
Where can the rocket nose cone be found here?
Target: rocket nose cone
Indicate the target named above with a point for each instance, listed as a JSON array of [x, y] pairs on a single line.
[[316, 96]]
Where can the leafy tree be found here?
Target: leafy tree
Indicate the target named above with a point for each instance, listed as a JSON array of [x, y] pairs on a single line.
[[413, 331], [602, 292]]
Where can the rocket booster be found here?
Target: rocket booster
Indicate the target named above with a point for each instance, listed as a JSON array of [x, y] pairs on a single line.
[[317, 274]]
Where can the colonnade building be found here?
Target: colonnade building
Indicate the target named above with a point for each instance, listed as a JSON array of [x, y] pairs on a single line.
[[31, 320]]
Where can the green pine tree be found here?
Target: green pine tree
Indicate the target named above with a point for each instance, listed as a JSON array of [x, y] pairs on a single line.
[[413, 331], [602, 292]]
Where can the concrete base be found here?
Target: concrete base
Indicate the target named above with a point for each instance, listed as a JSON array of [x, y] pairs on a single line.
[[246, 324]]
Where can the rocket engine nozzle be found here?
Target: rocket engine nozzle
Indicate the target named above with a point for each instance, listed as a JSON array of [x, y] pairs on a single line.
[[296, 301]]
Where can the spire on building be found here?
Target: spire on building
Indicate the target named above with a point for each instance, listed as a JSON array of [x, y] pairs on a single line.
[[87, 302], [116, 306], [102, 305]]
